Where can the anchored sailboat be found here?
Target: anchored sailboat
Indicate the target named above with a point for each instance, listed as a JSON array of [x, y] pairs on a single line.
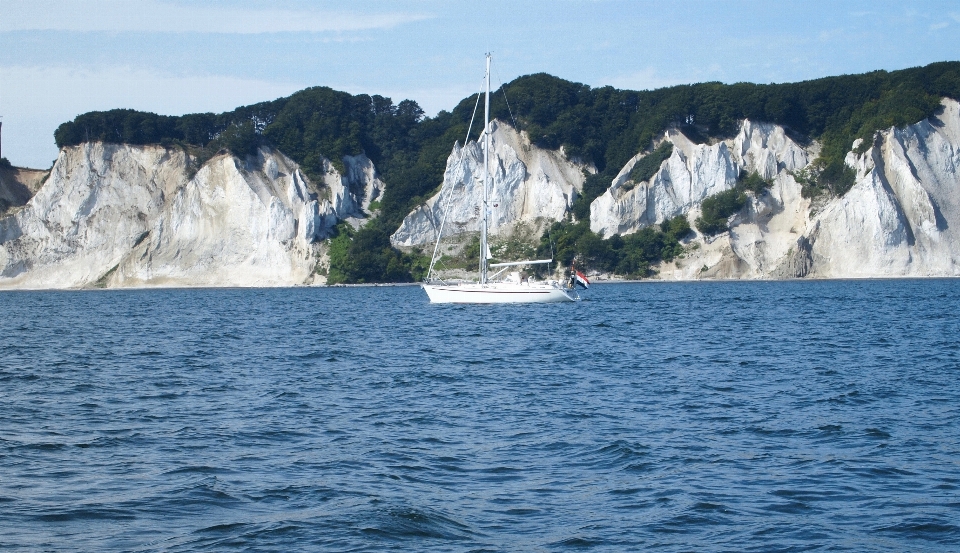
[[488, 289]]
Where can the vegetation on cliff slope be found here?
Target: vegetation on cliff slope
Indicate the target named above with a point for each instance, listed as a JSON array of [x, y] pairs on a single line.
[[364, 257], [649, 164], [603, 126], [630, 256], [607, 126], [715, 210]]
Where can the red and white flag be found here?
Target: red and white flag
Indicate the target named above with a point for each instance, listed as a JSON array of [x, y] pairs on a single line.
[[581, 279]]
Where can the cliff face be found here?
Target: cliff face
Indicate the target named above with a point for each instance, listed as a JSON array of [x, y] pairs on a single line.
[[231, 225], [115, 215], [96, 202], [17, 186], [528, 184], [692, 173], [901, 218]]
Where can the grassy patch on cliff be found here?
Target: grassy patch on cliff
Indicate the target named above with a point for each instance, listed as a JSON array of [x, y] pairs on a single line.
[[630, 256], [717, 209], [649, 164]]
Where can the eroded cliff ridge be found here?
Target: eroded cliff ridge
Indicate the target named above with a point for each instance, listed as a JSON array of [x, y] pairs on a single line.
[[692, 173], [528, 184], [899, 219], [127, 215], [122, 215], [902, 218], [17, 186]]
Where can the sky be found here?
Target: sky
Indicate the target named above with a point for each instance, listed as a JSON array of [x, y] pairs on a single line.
[[61, 58]]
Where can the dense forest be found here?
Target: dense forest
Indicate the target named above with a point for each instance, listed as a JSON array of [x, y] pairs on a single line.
[[604, 126]]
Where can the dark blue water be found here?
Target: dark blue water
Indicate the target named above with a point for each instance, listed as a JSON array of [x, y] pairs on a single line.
[[777, 416]]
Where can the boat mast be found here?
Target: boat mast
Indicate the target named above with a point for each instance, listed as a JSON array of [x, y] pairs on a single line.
[[486, 176]]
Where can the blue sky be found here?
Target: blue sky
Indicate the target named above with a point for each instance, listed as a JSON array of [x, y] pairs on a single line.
[[59, 58]]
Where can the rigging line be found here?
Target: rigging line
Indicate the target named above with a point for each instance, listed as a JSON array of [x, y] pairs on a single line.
[[503, 89], [443, 207], [475, 106]]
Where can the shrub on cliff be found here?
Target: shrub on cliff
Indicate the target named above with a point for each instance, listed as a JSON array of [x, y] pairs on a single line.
[[365, 256], [630, 256], [716, 209], [753, 182], [649, 164]]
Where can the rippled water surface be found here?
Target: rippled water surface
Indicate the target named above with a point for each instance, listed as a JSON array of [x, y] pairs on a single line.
[[771, 416]]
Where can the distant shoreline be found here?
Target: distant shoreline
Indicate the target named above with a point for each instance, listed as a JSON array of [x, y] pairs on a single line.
[[407, 284]]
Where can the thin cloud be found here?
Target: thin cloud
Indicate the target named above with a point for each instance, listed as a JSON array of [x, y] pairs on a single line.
[[433, 100], [34, 105], [156, 16], [938, 26], [831, 35], [650, 79]]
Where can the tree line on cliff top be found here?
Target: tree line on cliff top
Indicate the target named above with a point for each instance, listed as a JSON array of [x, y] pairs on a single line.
[[603, 126]]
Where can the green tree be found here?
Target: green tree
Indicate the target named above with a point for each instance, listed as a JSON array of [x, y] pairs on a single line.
[[716, 209]]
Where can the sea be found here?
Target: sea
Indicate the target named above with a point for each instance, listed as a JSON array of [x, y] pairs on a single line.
[[706, 416]]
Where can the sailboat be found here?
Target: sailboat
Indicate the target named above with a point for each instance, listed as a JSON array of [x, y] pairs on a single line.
[[488, 288]]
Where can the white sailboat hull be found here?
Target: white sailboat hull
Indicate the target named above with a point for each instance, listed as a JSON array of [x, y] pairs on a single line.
[[498, 292]]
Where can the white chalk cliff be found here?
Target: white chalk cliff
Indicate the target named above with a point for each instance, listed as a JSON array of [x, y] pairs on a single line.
[[692, 173], [901, 218], [120, 215], [527, 183]]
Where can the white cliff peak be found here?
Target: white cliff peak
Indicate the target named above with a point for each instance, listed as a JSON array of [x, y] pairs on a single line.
[[901, 217], [690, 174], [120, 215], [529, 183]]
